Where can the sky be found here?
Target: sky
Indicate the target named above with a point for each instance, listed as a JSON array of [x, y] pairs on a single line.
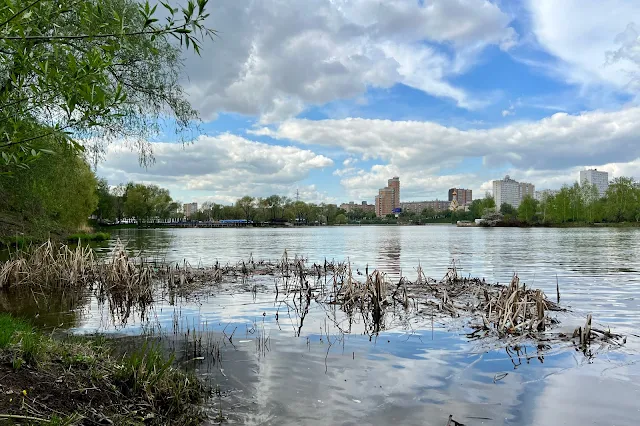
[[330, 98]]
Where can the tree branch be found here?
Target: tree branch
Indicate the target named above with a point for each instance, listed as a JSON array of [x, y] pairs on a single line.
[[92, 36], [20, 12]]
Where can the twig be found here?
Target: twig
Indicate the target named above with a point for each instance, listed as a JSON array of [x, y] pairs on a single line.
[[18, 417]]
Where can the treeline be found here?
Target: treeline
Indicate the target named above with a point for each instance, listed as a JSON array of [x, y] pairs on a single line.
[[149, 203], [575, 204], [137, 201], [581, 204]]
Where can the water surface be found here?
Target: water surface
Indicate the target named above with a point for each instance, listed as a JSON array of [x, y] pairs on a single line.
[[284, 367]]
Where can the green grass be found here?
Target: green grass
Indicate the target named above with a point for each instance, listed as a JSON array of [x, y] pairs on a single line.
[[16, 242], [98, 236], [11, 329], [148, 372], [146, 377]]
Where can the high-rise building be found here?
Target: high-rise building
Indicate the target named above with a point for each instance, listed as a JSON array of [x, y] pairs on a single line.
[[384, 202], [388, 198], [527, 189], [461, 195], [394, 183], [594, 177], [190, 209], [511, 192]]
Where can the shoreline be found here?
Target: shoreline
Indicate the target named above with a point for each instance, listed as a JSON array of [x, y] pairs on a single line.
[[567, 225]]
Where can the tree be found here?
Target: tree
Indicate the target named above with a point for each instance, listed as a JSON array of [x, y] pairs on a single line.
[[622, 200], [79, 70], [488, 202], [137, 202], [527, 209], [48, 196], [247, 205], [274, 204], [340, 219], [507, 209], [106, 209]]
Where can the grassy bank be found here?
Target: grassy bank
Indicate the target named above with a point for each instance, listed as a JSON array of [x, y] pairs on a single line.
[[564, 225], [23, 242], [83, 236], [68, 381]]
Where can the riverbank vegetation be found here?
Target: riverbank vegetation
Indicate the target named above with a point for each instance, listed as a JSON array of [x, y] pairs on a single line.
[[579, 205], [75, 76], [74, 380], [571, 206]]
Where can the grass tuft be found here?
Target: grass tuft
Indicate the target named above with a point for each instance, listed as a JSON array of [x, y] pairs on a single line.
[[91, 383], [10, 328], [82, 236]]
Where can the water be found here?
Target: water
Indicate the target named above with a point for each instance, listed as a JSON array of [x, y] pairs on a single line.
[[415, 372]]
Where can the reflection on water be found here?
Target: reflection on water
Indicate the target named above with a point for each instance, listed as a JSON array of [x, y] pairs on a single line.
[[290, 364], [389, 247]]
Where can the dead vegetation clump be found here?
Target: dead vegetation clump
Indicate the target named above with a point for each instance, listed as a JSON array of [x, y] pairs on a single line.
[[50, 270], [51, 266], [127, 283]]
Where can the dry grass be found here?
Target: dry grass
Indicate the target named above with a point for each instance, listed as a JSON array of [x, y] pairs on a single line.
[[51, 266]]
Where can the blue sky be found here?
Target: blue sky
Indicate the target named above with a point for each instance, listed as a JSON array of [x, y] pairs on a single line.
[[331, 98]]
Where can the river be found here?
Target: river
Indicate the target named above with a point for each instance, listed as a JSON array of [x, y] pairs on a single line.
[[416, 373]]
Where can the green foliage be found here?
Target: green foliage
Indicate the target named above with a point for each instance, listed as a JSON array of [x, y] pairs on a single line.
[[146, 371], [507, 209], [91, 69], [145, 378], [146, 202], [527, 209], [106, 208], [582, 204], [10, 328], [340, 219], [97, 236], [49, 195], [247, 205]]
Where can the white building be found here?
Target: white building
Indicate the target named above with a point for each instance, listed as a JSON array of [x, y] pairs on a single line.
[[594, 177], [511, 192]]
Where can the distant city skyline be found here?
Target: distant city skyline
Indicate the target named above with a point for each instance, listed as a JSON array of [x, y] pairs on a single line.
[[503, 190]]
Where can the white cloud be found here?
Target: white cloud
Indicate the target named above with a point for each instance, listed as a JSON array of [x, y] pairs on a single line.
[[349, 161], [509, 111], [581, 32], [274, 57], [420, 151], [221, 168]]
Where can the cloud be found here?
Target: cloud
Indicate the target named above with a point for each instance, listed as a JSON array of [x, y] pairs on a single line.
[[581, 33], [548, 143], [222, 168], [420, 151], [349, 161], [274, 57], [509, 111]]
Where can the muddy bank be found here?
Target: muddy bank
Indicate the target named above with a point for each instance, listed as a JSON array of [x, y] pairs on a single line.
[[77, 381]]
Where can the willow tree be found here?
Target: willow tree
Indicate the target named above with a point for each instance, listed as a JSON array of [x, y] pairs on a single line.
[[87, 72]]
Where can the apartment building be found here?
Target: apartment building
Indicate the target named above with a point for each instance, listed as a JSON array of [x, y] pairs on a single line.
[[594, 177], [189, 209], [388, 198], [510, 191]]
